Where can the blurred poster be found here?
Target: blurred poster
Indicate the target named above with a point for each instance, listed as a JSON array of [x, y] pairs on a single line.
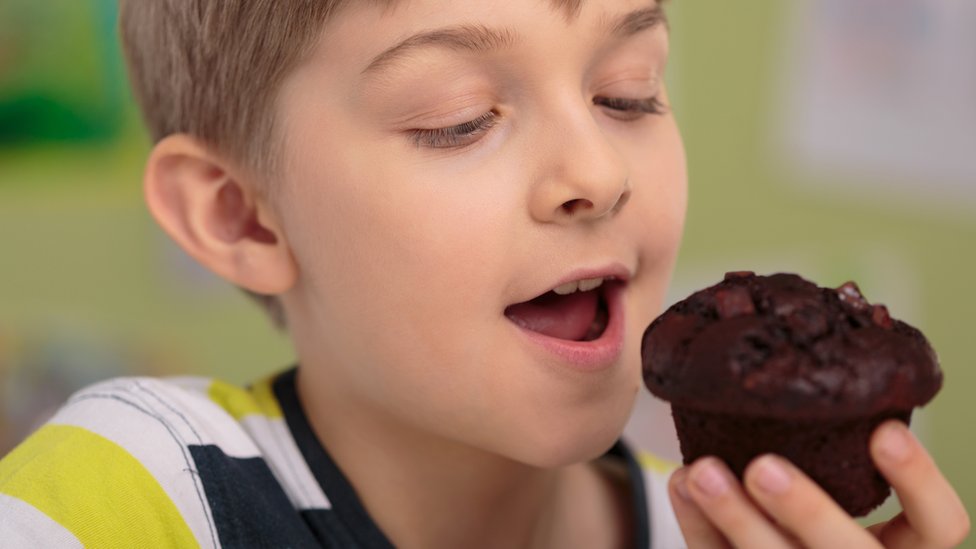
[[61, 77], [885, 91]]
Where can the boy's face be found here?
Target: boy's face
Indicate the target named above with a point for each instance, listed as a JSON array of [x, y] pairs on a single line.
[[428, 195]]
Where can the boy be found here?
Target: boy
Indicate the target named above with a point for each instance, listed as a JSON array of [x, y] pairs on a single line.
[[465, 213]]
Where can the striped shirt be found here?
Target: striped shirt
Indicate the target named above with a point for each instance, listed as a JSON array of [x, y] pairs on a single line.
[[196, 462]]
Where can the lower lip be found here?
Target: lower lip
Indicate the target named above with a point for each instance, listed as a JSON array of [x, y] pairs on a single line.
[[589, 356]]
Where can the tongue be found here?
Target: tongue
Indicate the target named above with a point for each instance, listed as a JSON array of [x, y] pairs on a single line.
[[561, 316]]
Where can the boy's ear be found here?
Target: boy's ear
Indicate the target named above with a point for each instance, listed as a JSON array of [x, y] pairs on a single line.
[[219, 219]]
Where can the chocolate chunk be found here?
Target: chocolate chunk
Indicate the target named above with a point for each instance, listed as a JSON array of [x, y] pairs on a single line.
[[734, 301], [808, 324], [880, 317], [849, 293], [738, 274]]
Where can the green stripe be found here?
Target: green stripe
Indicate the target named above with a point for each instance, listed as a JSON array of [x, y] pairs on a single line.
[[94, 488]]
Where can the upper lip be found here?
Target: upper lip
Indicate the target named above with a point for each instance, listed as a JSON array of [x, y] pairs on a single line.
[[612, 271]]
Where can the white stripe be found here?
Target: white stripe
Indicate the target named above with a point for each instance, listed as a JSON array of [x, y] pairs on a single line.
[[193, 417], [665, 532], [286, 461], [193, 384], [24, 526]]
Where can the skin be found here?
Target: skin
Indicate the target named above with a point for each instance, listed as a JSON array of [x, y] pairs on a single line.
[[396, 251]]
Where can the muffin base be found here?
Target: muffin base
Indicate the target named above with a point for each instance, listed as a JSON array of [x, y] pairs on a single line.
[[833, 453]]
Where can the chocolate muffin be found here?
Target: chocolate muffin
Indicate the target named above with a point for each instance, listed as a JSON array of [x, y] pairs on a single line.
[[759, 364]]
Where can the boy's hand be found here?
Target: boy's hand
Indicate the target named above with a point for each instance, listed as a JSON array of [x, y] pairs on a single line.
[[778, 506]]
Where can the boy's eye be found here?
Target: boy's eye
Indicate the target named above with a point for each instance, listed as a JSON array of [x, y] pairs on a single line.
[[461, 135], [631, 109], [454, 137]]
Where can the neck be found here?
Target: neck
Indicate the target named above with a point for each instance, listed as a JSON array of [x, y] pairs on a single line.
[[425, 491]]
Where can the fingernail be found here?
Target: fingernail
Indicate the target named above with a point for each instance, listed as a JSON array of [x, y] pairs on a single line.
[[680, 481], [771, 476], [895, 443], [710, 480]]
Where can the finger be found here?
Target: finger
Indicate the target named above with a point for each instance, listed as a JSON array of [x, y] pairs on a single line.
[[721, 498], [698, 531], [801, 507], [933, 514]]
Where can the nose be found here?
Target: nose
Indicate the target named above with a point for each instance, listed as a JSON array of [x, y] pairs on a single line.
[[583, 176]]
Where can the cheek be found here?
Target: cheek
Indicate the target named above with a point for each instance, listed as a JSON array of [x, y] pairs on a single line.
[[403, 270], [656, 221], [399, 252], [660, 196]]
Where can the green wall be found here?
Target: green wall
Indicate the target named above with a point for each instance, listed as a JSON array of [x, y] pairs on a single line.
[[747, 207]]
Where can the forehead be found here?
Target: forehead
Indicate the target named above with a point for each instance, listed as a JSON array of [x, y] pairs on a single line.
[[569, 8], [467, 25]]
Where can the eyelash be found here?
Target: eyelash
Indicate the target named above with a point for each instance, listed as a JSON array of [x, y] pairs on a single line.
[[453, 137], [632, 109]]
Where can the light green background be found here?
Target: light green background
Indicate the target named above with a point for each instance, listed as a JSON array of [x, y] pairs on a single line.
[[80, 256], [745, 205]]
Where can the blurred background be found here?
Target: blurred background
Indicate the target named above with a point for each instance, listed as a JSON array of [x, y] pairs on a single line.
[[834, 138]]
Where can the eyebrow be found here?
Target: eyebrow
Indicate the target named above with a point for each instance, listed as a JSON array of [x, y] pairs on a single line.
[[479, 38], [473, 38], [637, 21]]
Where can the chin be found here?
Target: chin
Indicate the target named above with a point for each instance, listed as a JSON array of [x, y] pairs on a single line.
[[570, 442]]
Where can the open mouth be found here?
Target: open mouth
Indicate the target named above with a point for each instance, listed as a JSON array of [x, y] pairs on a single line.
[[580, 314]]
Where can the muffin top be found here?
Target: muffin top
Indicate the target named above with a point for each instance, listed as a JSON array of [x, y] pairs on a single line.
[[781, 346]]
